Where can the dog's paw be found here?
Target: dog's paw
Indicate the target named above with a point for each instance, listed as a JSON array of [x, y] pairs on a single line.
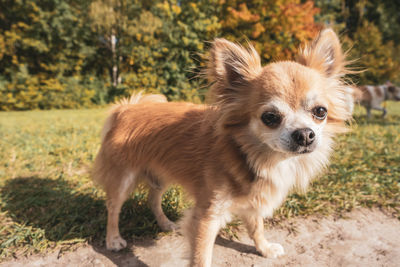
[[272, 250], [115, 243], [168, 226]]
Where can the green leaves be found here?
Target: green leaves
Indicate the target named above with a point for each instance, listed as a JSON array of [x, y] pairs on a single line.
[[109, 48]]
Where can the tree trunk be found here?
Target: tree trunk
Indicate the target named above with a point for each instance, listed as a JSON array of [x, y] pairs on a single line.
[[114, 60]]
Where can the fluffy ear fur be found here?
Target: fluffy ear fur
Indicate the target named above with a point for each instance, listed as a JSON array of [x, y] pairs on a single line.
[[324, 54], [230, 68], [231, 65]]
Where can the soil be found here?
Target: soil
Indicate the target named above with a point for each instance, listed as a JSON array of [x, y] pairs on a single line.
[[363, 237]]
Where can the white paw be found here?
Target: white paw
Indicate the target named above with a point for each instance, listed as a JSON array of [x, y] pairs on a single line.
[[168, 226], [272, 250], [115, 243]]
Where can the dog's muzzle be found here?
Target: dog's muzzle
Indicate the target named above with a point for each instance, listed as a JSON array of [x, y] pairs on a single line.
[[303, 140]]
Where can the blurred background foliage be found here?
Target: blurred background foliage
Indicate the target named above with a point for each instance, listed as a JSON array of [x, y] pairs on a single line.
[[72, 53]]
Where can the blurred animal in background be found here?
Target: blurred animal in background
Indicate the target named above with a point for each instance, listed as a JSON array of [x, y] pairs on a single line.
[[372, 96]]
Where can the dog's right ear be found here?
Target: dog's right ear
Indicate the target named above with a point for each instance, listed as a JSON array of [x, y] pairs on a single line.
[[231, 65], [324, 54]]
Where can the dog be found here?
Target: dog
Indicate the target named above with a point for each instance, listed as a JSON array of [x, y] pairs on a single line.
[[267, 130], [372, 96]]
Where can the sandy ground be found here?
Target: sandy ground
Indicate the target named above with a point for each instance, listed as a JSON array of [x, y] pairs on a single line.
[[364, 238]]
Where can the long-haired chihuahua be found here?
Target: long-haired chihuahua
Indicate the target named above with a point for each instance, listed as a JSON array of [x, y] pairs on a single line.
[[267, 130]]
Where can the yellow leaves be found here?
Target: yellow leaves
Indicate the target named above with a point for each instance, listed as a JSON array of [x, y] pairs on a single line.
[[258, 30], [104, 15], [194, 7], [145, 81], [138, 36], [176, 9], [14, 59], [78, 65], [174, 66], [169, 9], [185, 40], [22, 25], [35, 8], [200, 46], [53, 85]]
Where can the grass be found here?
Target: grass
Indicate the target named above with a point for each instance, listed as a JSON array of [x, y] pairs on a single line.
[[48, 201]]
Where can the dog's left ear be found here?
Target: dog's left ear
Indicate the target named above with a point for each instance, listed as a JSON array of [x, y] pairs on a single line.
[[324, 54]]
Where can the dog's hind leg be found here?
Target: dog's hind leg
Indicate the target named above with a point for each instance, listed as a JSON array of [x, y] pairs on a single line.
[[155, 198], [115, 200], [368, 109], [384, 112]]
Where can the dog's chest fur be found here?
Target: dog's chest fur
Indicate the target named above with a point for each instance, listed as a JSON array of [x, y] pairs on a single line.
[[273, 183], [268, 190]]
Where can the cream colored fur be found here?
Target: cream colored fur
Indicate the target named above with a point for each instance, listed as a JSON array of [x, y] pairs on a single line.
[[225, 155]]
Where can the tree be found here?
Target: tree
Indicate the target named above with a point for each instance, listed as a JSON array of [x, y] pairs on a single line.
[[374, 55], [275, 28], [110, 20], [43, 41]]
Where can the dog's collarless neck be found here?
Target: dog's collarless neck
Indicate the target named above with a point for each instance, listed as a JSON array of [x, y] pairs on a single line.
[[243, 155]]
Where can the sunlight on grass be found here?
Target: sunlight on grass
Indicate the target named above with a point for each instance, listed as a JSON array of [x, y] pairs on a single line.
[[47, 198]]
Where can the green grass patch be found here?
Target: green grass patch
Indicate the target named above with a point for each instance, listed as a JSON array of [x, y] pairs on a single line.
[[47, 199]]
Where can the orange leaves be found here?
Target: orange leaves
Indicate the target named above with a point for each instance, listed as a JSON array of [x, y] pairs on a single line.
[[243, 14], [275, 28], [299, 19]]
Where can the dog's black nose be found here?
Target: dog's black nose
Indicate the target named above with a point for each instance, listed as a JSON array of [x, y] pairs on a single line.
[[303, 137]]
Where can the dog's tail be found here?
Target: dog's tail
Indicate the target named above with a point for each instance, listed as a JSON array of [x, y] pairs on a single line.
[[135, 98]]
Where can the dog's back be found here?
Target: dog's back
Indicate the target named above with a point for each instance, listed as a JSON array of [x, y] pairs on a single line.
[[133, 131], [371, 95]]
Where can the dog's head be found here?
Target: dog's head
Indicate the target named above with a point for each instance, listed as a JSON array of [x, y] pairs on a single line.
[[291, 107], [393, 91]]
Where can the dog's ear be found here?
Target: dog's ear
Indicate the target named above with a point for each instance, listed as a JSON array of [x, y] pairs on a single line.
[[230, 69], [324, 54], [231, 65]]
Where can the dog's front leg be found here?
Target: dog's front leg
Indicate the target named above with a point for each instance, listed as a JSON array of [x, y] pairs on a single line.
[[255, 228], [203, 229]]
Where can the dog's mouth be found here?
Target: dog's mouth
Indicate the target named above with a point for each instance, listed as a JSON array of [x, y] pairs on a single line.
[[299, 150]]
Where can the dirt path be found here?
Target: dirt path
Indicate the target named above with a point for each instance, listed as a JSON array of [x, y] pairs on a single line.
[[364, 238]]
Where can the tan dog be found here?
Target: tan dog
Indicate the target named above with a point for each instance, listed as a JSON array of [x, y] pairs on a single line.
[[372, 96], [268, 130]]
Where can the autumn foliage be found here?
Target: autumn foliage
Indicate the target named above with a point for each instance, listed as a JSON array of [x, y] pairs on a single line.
[[275, 28], [69, 54]]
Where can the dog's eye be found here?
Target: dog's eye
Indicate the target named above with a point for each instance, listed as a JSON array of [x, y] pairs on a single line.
[[319, 113], [271, 119]]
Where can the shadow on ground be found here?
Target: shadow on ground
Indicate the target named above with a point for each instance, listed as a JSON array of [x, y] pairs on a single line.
[[240, 247], [64, 213], [55, 206]]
